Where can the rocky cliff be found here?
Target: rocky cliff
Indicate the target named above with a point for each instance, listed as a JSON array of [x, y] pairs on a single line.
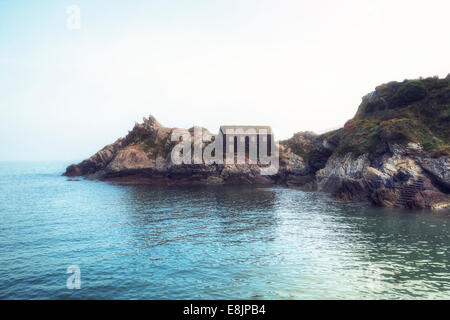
[[144, 155], [394, 152]]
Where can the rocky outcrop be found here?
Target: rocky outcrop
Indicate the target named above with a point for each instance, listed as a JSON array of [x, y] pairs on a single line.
[[398, 181], [95, 163], [339, 171], [294, 171], [395, 152], [403, 177], [145, 155], [438, 169]]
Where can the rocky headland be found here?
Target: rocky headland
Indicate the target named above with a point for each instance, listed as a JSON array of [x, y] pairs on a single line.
[[394, 152]]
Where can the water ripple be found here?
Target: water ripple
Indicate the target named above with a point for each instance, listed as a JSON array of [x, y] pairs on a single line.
[[205, 242]]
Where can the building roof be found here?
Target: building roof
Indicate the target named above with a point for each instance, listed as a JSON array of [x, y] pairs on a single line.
[[245, 128]]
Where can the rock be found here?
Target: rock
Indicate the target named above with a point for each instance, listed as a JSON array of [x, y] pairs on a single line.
[[128, 159], [214, 180], [351, 189], [376, 179], [95, 163], [398, 181], [432, 199], [319, 156], [438, 169], [241, 173], [385, 197], [414, 147], [330, 178]]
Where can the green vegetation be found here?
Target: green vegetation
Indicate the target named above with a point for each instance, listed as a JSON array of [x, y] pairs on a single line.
[[412, 111], [302, 151], [301, 144], [153, 149], [407, 93], [376, 105], [416, 111], [358, 137], [372, 136]]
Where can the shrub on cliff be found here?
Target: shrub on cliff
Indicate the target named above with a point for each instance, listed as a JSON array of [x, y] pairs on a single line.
[[349, 126], [376, 105], [414, 111], [409, 92], [360, 136], [301, 143], [373, 136]]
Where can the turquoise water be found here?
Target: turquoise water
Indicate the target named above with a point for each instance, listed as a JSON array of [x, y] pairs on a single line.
[[198, 242]]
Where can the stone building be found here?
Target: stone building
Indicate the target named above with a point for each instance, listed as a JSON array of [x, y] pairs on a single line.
[[249, 136]]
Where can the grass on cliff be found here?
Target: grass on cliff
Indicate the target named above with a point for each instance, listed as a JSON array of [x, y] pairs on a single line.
[[415, 111], [372, 136], [301, 144], [302, 151]]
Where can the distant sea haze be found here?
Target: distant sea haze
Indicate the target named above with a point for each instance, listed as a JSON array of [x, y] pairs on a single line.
[[209, 242]]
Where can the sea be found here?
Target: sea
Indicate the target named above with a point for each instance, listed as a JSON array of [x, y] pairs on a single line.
[[64, 238]]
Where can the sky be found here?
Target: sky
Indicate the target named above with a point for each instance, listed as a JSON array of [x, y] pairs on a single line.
[[294, 65]]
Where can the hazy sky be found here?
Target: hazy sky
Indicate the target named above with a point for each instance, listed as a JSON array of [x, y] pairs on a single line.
[[294, 65]]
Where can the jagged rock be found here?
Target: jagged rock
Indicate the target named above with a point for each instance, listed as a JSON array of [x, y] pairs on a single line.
[[351, 189], [291, 164], [439, 169], [95, 163], [432, 199], [320, 154], [399, 181], [337, 169], [385, 197], [376, 179], [243, 173]]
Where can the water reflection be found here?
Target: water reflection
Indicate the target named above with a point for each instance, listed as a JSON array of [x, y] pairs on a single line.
[[405, 249], [222, 210], [201, 242], [282, 243]]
